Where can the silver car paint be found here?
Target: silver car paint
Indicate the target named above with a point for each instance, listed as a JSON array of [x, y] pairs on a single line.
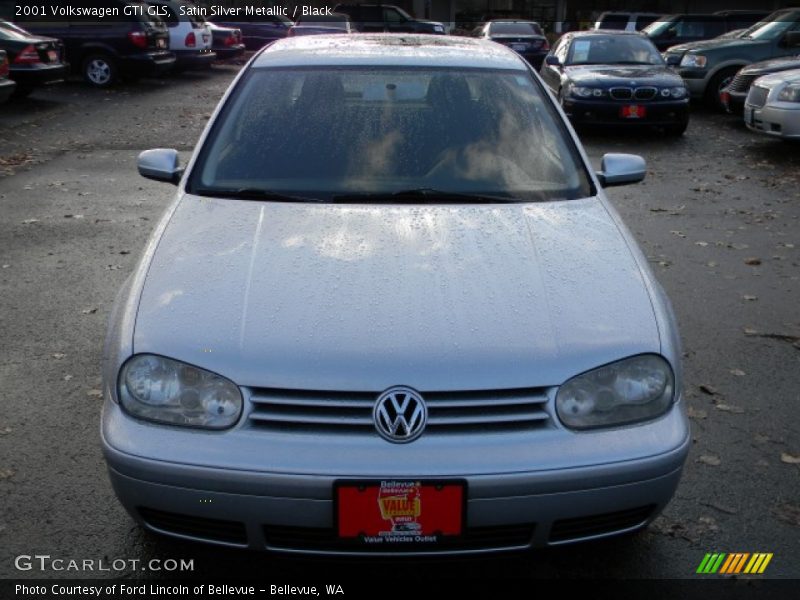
[[291, 480]]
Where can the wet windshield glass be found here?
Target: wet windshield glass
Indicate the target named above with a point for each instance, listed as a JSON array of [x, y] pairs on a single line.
[[323, 133], [613, 50]]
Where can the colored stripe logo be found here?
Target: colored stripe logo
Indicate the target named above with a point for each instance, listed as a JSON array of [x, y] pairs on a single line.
[[734, 563]]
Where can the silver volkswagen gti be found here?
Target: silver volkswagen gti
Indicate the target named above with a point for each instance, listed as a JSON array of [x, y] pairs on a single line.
[[390, 310]]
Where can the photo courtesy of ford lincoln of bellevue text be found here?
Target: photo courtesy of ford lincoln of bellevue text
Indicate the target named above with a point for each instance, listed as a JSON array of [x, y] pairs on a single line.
[[361, 327]]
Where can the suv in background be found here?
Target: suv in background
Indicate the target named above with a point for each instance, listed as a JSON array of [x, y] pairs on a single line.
[[671, 30], [104, 50], [190, 38], [625, 21], [708, 67], [386, 17]]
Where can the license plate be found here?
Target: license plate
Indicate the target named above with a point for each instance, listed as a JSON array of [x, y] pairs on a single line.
[[52, 56], [632, 111], [380, 513], [161, 43], [518, 47]]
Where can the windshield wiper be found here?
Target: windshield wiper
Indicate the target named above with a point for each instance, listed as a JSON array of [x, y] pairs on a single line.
[[252, 194], [423, 195]]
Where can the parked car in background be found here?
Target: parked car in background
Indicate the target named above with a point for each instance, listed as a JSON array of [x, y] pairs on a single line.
[[34, 60], [388, 18], [226, 42], [708, 67], [773, 105], [625, 21], [257, 34], [342, 394], [615, 78], [671, 30], [190, 38], [7, 86], [734, 95], [130, 46], [524, 37], [322, 25]]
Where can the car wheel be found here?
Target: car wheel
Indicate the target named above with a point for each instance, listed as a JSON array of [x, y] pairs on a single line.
[[676, 130], [717, 83], [99, 69]]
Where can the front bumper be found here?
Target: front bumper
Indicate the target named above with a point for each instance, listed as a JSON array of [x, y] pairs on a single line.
[[275, 509], [229, 52], [607, 112], [777, 121], [733, 101]]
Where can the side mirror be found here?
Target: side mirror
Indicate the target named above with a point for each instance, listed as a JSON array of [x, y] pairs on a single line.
[[621, 169], [791, 39], [552, 60], [161, 164]]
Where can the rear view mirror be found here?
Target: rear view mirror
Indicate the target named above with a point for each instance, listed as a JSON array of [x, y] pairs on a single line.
[[621, 169], [160, 164], [552, 61]]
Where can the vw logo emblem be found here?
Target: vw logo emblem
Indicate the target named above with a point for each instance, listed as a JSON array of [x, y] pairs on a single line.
[[400, 415]]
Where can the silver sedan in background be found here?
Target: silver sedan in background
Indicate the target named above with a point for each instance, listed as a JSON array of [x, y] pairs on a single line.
[[391, 310], [773, 105]]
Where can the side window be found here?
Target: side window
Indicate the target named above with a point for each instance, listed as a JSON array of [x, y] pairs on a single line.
[[561, 51], [390, 15], [643, 21]]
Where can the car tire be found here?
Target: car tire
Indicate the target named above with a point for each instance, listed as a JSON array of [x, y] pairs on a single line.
[[715, 85], [99, 70], [676, 130]]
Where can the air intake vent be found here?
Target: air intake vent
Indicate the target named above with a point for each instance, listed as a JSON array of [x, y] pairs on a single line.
[[215, 530], [581, 527], [621, 93], [645, 93]]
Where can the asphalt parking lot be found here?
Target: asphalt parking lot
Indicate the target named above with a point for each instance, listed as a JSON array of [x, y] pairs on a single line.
[[718, 217]]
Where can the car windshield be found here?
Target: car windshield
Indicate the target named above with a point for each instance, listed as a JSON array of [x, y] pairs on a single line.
[[773, 26], [657, 28], [323, 133], [514, 29], [613, 50]]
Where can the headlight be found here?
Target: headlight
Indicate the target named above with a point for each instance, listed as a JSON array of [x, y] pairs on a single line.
[[790, 93], [438, 28], [693, 60], [631, 390], [168, 391], [580, 91], [675, 92]]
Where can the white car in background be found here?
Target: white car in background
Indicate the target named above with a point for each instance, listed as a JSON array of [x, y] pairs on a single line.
[[773, 105], [190, 38]]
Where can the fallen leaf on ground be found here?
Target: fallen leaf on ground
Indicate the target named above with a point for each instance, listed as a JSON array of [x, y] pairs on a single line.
[[58, 355], [6, 473], [709, 459], [89, 311], [5, 430], [704, 244], [738, 372], [95, 393], [729, 408], [696, 413], [752, 261], [749, 298], [67, 377], [30, 221], [724, 509], [790, 459], [789, 513], [707, 389]]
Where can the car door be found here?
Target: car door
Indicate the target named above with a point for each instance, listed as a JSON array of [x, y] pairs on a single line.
[[551, 74]]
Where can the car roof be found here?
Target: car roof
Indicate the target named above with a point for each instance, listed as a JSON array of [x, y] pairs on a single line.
[[382, 49], [604, 32]]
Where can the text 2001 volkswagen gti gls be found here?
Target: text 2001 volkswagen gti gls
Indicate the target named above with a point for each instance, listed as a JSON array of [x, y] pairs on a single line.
[[391, 310]]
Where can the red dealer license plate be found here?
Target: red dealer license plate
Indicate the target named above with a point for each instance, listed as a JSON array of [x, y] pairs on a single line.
[[632, 111], [400, 511]]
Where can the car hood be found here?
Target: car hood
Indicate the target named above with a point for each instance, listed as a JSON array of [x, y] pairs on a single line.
[[712, 44], [772, 66], [356, 297], [623, 75], [780, 78]]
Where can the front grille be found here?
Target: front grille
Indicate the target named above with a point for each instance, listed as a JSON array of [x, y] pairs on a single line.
[[313, 539], [621, 93], [741, 83], [757, 96], [645, 93], [215, 530], [351, 412], [582, 527]]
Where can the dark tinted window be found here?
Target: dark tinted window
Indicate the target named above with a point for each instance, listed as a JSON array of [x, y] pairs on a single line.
[[613, 49], [514, 28], [643, 21], [614, 22]]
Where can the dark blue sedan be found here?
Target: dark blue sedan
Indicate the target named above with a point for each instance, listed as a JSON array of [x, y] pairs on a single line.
[[615, 78]]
